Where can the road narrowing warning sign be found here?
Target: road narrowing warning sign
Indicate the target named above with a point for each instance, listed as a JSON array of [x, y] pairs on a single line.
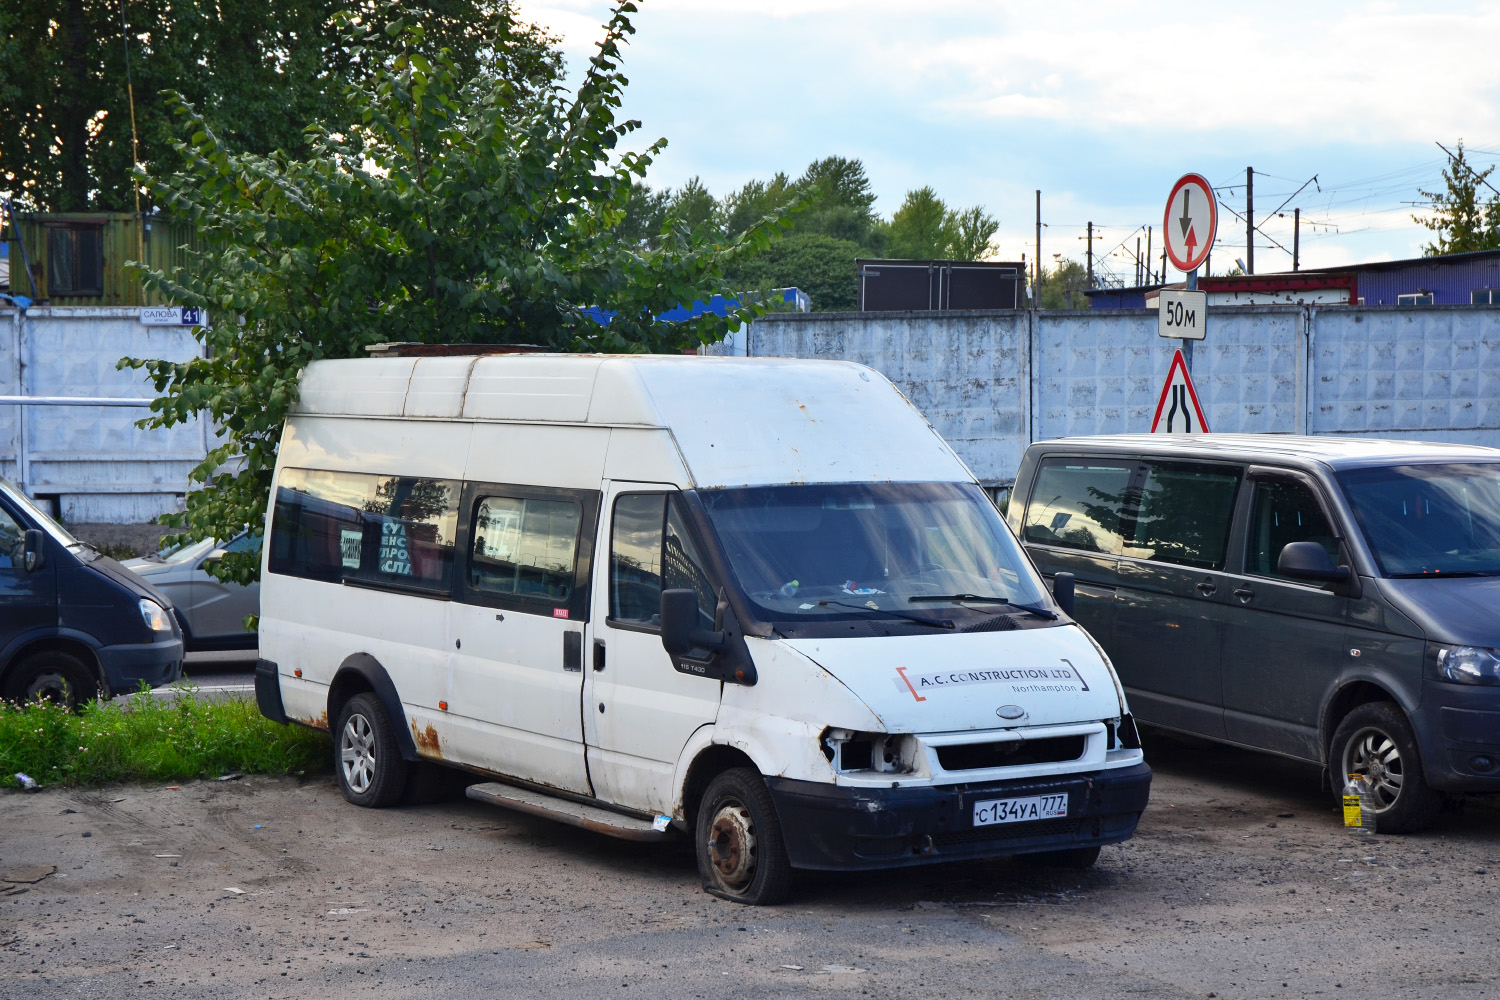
[[1178, 412]]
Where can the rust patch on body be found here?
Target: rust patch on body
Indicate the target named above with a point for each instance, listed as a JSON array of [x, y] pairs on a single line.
[[427, 741]]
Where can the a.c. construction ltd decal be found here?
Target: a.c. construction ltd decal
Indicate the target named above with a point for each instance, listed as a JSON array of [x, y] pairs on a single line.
[[1021, 680]]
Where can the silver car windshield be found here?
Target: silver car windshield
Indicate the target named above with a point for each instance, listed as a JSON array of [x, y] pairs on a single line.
[[904, 548], [38, 515], [1429, 520]]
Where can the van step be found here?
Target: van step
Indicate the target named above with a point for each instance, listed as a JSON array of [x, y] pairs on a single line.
[[578, 814]]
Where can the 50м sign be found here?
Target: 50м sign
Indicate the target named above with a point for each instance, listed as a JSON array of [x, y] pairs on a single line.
[[1183, 315]]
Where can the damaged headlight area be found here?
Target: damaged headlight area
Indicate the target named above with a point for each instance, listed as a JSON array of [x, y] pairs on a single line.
[[1122, 733], [853, 752]]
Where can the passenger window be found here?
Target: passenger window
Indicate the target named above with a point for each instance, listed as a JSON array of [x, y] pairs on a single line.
[[1284, 511], [635, 558], [394, 530], [1079, 504], [1184, 514], [650, 550], [12, 542], [681, 568], [244, 543], [525, 547]]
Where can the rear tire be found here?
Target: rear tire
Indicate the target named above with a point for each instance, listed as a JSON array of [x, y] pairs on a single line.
[[1376, 740], [741, 853], [52, 676], [370, 770], [1076, 857]]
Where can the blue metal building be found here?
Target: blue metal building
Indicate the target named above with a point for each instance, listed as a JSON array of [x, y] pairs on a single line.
[[1458, 279]]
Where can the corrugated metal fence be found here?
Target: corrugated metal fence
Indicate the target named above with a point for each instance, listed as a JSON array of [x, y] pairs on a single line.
[[992, 382], [92, 459]]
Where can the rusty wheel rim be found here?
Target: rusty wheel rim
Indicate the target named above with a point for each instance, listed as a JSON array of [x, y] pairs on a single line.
[[731, 845]]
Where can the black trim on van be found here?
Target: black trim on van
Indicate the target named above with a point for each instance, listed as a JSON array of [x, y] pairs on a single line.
[[370, 670], [268, 691]]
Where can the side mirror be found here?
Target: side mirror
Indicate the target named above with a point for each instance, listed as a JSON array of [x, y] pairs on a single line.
[[217, 555], [680, 634], [34, 550], [1062, 592], [1310, 561]]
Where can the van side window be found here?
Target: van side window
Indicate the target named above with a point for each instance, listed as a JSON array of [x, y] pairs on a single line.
[[1184, 514], [682, 568], [635, 558], [1079, 504], [1284, 511], [12, 540], [650, 550], [381, 530], [525, 547]]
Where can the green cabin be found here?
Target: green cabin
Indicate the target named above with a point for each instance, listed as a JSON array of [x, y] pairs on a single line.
[[78, 258]]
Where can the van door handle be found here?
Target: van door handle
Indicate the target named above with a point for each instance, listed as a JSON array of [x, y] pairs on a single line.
[[1207, 588], [573, 651], [1245, 594], [598, 655]]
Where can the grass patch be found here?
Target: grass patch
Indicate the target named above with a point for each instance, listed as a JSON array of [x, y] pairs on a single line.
[[152, 739]]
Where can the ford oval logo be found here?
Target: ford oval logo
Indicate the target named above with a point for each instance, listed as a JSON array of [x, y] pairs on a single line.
[[1010, 711]]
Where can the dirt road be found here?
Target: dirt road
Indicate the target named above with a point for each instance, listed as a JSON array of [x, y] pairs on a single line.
[[1240, 883]]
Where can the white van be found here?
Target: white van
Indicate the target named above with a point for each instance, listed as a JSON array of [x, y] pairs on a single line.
[[757, 601]]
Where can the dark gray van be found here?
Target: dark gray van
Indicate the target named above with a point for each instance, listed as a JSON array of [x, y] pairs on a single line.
[[74, 624], [1335, 600]]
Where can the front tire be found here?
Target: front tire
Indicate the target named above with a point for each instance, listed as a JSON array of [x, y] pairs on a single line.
[[369, 766], [741, 853], [52, 676], [1376, 740]]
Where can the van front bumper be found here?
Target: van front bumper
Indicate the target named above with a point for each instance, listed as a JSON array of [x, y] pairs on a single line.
[[841, 827], [127, 666], [1458, 734]]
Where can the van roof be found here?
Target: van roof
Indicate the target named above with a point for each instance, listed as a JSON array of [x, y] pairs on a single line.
[[1335, 451], [735, 421]]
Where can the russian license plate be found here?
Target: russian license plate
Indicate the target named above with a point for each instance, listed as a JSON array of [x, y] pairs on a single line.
[[1020, 810]]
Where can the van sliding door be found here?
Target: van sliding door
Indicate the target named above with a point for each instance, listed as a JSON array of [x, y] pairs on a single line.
[[517, 626]]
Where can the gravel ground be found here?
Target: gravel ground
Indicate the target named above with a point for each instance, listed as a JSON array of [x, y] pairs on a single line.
[[1240, 883]]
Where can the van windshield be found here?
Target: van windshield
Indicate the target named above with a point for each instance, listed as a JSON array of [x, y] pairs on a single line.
[[934, 551], [1429, 520], [39, 516]]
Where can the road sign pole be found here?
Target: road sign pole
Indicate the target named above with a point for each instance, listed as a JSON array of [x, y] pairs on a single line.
[[1187, 345]]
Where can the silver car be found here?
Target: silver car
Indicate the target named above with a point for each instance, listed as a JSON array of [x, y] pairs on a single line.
[[212, 612]]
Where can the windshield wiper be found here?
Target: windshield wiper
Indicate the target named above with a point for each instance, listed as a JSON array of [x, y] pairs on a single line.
[[981, 599], [934, 622]]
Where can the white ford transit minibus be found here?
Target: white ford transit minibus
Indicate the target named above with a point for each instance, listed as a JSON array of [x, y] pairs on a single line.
[[757, 601]]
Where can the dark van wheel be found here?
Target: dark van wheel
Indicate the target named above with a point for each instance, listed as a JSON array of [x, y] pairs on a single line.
[[370, 769], [1376, 740], [54, 676], [741, 855], [1076, 857]]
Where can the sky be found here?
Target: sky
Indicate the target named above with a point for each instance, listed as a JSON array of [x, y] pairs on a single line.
[[1101, 106]]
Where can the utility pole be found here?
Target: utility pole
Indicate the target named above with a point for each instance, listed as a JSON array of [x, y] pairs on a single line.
[[1296, 236], [1091, 255], [1037, 294], [1249, 220], [1149, 278], [1164, 263], [1138, 262]]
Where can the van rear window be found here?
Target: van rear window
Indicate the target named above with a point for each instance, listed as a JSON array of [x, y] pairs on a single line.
[[395, 531]]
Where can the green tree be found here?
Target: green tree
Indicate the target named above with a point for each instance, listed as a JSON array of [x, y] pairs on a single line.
[[257, 71], [1462, 219], [821, 266], [1062, 287], [974, 232], [693, 206], [922, 228], [450, 210], [753, 202]]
